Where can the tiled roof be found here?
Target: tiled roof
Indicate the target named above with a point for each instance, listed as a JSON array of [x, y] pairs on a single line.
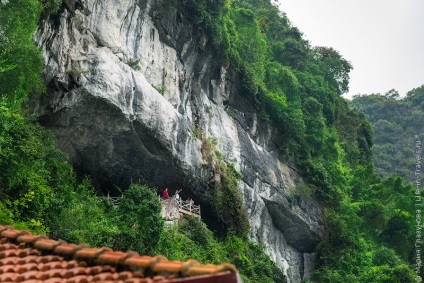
[[36, 258]]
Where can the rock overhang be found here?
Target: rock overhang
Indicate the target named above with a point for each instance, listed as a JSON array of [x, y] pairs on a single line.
[[117, 126]]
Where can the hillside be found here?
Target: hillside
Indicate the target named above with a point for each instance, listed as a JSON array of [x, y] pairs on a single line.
[[397, 124], [224, 99]]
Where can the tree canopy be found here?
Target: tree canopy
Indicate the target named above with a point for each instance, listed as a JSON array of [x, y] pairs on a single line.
[[396, 124]]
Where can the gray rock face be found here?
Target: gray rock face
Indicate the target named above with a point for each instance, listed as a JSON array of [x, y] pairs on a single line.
[[132, 83], [170, 210]]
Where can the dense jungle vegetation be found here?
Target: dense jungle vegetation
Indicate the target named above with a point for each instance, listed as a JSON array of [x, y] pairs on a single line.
[[397, 123], [370, 221]]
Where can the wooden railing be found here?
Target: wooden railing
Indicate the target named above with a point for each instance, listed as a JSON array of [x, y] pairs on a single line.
[[114, 200], [189, 208], [184, 206]]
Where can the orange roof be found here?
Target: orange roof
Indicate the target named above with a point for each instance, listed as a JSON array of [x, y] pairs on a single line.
[[36, 258]]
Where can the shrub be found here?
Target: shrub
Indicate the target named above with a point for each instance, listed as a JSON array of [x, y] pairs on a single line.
[[227, 200], [192, 239], [139, 214]]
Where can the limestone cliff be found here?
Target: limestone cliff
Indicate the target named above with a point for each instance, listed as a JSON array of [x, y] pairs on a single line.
[[130, 83]]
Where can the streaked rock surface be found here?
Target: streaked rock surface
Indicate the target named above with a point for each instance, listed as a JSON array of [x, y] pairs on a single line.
[[130, 86]]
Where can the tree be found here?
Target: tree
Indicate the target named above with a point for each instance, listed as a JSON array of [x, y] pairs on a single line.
[[289, 52], [336, 68], [395, 124], [315, 125], [140, 218], [415, 97], [20, 59], [393, 94], [34, 175]]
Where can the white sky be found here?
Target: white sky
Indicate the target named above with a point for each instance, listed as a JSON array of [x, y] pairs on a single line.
[[383, 39]]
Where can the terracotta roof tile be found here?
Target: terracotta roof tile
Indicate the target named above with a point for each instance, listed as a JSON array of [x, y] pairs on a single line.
[[36, 258], [32, 281], [12, 234], [139, 280], [7, 247], [28, 259], [8, 253], [46, 244], [48, 258], [32, 274], [28, 238], [55, 280], [7, 268], [113, 258], [26, 267], [125, 275]]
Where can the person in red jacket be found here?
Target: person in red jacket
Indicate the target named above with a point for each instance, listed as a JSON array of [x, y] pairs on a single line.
[[165, 193]]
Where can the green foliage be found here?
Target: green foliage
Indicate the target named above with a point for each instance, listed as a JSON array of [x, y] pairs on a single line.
[[298, 89], [7, 217], [52, 6], [249, 48], [252, 262], [227, 200], [277, 66], [73, 225], [192, 239], [336, 68], [315, 125], [415, 97], [34, 174], [287, 116], [376, 213], [226, 197], [197, 132], [20, 60], [353, 128], [289, 52], [369, 221], [161, 88], [39, 192], [282, 78], [38, 188], [395, 123], [209, 15], [196, 231], [134, 63], [139, 215]]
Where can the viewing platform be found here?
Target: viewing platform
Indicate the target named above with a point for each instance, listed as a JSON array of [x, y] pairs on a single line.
[[174, 209], [171, 207]]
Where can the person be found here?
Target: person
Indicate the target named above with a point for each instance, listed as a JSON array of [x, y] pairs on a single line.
[[165, 193], [177, 195]]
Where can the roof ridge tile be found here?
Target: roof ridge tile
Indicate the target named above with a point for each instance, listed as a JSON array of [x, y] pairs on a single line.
[[30, 239], [90, 254], [115, 258], [46, 245], [12, 234]]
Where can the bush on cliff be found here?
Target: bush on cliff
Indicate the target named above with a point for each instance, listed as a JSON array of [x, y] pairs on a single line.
[[192, 239]]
